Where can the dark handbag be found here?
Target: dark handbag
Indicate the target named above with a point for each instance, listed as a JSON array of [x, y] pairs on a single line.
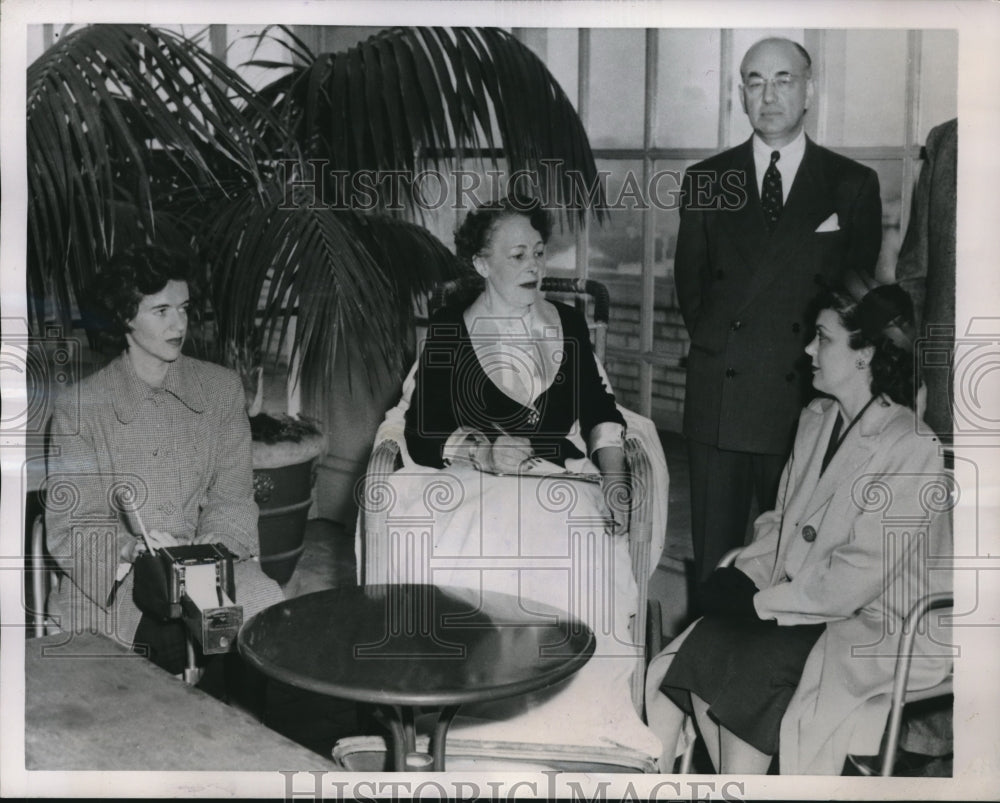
[[151, 587]]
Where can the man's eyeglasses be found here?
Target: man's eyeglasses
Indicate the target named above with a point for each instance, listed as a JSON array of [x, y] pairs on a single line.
[[781, 83]]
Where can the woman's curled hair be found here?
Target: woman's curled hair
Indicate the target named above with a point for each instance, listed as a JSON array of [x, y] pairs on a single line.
[[882, 319], [122, 283], [476, 230]]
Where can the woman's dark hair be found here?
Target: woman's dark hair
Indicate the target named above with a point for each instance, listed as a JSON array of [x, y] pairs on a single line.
[[476, 230], [123, 282], [882, 319]]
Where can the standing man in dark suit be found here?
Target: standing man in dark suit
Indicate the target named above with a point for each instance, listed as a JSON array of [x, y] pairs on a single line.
[[761, 223]]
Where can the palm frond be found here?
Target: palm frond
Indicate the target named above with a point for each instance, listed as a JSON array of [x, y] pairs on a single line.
[[292, 43], [406, 98], [101, 103], [340, 276], [135, 133], [415, 261]]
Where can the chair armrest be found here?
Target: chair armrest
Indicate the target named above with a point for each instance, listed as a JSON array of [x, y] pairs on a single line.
[[39, 591], [640, 534], [640, 524], [373, 506]]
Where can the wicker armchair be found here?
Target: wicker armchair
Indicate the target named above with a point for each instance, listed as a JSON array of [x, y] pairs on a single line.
[[379, 546]]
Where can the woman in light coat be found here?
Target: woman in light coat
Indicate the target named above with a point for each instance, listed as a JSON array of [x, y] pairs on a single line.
[[796, 652], [153, 447]]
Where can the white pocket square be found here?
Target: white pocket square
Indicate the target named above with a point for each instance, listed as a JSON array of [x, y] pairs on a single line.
[[832, 223]]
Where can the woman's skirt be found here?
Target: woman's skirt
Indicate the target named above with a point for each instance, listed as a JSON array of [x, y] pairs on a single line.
[[746, 670]]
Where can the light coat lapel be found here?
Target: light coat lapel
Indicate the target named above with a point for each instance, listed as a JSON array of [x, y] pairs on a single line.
[[854, 453], [814, 430]]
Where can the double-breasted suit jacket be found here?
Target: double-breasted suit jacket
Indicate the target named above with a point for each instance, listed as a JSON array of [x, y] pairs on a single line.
[[853, 547], [744, 292]]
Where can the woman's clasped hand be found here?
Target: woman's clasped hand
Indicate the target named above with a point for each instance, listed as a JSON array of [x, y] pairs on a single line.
[[508, 454]]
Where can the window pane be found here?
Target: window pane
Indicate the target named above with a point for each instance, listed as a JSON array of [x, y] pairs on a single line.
[[668, 396], [36, 41], [337, 38], [874, 86], [687, 103], [560, 251], [890, 178], [243, 44], [616, 259], [617, 71], [616, 246], [669, 335], [560, 56], [664, 193], [939, 80], [448, 195]]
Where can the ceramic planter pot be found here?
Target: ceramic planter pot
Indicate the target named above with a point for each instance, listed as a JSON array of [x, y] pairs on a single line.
[[283, 475]]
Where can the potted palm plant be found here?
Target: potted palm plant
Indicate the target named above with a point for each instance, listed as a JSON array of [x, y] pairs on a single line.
[[284, 454], [139, 133]]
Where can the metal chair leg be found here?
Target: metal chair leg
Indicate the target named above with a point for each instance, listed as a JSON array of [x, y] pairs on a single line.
[[192, 673]]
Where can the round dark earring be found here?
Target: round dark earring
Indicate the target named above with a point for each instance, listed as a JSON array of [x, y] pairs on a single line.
[[860, 364]]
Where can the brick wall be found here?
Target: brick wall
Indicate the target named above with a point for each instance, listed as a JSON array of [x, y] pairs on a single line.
[[670, 345]]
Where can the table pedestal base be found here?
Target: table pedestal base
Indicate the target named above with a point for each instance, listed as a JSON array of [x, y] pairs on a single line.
[[401, 722]]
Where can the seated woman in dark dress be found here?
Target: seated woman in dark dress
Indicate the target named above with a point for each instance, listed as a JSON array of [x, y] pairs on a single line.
[[512, 460], [502, 381], [798, 642]]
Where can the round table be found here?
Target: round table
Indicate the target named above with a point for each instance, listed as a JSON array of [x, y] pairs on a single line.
[[405, 647]]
